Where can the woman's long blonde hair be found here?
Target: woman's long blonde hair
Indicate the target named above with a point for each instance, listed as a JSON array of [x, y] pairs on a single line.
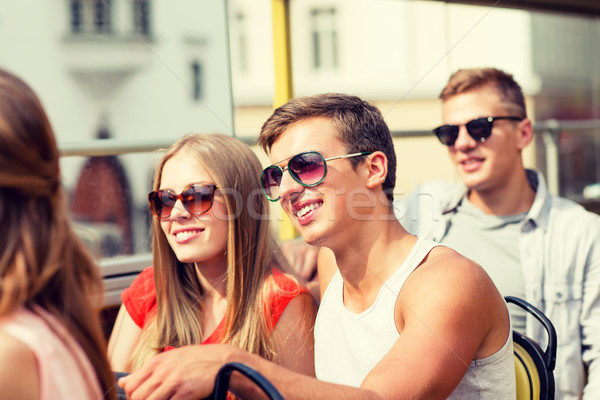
[[251, 254], [42, 261]]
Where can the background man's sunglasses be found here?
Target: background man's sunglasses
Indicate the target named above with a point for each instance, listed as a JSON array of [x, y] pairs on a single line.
[[196, 199], [308, 169], [479, 129]]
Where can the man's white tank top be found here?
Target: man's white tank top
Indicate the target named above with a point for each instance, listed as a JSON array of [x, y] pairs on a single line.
[[349, 345]]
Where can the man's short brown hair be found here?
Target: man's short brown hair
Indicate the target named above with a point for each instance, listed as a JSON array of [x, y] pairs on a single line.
[[466, 80]]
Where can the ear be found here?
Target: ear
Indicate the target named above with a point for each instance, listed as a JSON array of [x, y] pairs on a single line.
[[525, 133], [377, 168]]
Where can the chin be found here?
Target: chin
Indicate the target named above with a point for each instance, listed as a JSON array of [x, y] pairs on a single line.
[[313, 238], [472, 180], [186, 260], [311, 241], [477, 185], [306, 235], [188, 257]]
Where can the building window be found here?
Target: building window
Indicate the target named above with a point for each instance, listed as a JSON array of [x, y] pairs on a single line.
[[197, 79], [102, 16], [76, 16], [324, 38], [141, 17], [90, 16]]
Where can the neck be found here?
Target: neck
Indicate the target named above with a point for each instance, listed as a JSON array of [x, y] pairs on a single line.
[[213, 279], [514, 197], [367, 261]]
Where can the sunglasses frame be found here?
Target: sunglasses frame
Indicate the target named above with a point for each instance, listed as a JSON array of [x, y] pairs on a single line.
[[297, 178], [213, 188], [489, 120]]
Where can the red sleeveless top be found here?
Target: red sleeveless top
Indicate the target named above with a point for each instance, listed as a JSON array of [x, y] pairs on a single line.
[[139, 300]]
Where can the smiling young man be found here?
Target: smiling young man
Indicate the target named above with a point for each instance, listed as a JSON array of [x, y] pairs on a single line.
[[400, 317], [534, 245]]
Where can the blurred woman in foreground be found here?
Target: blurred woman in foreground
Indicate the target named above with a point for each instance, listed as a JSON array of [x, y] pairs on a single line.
[[51, 344]]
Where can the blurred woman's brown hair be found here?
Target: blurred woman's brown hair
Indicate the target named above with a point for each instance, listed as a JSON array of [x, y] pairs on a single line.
[[42, 261]]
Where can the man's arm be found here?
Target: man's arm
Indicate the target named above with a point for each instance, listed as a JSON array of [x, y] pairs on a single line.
[[293, 335], [188, 373], [590, 315], [302, 258], [449, 313], [122, 341]]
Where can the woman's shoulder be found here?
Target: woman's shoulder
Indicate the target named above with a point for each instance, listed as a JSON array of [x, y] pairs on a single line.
[[10, 347], [143, 283], [283, 288], [286, 283], [140, 297], [18, 369], [146, 275]]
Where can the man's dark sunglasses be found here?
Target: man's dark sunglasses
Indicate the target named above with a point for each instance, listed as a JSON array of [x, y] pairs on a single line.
[[479, 129], [197, 199], [308, 169]]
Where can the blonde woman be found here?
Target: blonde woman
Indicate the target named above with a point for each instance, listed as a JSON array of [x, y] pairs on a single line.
[[218, 273], [51, 344]]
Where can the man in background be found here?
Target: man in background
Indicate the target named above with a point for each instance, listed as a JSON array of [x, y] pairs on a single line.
[[536, 246]]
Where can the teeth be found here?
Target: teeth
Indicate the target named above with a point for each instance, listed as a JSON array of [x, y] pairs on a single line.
[[304, 210], [184, 235]]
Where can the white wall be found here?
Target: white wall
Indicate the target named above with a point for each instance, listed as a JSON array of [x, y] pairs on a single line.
[[389, 49]]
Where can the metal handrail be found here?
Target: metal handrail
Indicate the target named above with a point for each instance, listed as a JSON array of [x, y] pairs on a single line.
[[107, 147], [111, 147], [573, 124]]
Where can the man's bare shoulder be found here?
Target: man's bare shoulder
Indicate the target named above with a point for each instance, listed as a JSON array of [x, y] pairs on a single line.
[[444, 262], [449, 278], [453, 296]]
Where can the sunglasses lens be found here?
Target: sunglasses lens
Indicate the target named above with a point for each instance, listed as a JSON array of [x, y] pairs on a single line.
[[479, 129], [307, 168], [270, 180], [161, 203], [198, 199], [447, 134]]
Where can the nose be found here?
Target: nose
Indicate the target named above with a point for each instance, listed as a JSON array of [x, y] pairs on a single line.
[[289, 188], [179, 211], [464, 141]]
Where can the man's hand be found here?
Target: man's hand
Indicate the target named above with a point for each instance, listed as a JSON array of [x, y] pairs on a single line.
[[302, 257], [184, 373]]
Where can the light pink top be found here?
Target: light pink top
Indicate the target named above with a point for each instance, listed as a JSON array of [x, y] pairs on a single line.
[[64, 370]]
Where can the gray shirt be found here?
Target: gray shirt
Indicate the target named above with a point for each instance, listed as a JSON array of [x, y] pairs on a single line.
[[491, 241]]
